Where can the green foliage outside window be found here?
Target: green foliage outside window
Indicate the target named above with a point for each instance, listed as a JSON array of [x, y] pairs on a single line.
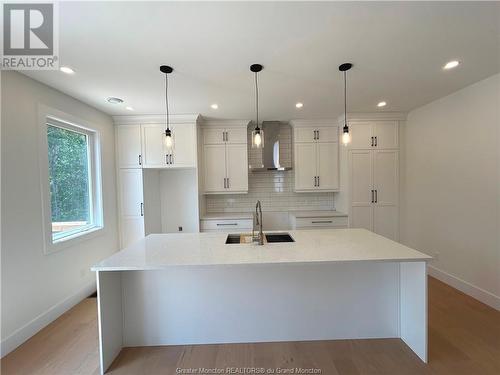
[[68, 175]]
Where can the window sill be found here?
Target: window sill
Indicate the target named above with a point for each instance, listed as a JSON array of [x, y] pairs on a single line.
[[73, 240]]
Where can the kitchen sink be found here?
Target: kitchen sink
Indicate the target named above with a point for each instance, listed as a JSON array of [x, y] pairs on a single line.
[[240, 238], [278, 237]]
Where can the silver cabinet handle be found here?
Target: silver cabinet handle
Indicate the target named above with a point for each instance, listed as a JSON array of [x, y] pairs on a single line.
[[224, 182], [171, 158], [223, 136], [140, 159], [318, 177], [315, 178], [142, 209], [376, 196], [227, 137], [372, 141], [317, 131], [373, 199], [228, 182], [166, 158], [375, 141], [226, 224], [322, 222]]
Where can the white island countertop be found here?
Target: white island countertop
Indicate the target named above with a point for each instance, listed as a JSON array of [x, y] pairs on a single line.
[[160, 251]]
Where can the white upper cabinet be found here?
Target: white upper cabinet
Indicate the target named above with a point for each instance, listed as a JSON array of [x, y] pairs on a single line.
[[237, 168], [225, 159], [154, 155], [316, 134], [316, 156], [224, 135], [182, 154], [305, 166], [184, 147], [128, 146], [214, 168], [374, 134]]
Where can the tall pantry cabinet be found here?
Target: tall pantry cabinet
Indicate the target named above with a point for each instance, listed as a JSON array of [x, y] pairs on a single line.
[[144, 167], [373, 188]]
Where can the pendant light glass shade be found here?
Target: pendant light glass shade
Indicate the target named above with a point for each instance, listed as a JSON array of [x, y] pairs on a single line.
[[257, 138], [168, 140], [346, 136], [257, 133]]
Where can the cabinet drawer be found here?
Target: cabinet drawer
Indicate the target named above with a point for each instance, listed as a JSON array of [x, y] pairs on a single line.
[[321, 222], [226, 225]]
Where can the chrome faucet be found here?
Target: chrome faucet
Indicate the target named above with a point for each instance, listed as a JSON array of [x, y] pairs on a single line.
[[257, 221]]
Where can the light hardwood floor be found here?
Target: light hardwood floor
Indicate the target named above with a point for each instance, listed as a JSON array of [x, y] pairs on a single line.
[[464, 339]]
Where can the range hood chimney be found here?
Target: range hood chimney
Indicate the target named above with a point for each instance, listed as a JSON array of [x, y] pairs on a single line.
[[277, 152]]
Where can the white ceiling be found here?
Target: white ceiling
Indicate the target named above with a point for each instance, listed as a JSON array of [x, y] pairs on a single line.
[[398, 50]]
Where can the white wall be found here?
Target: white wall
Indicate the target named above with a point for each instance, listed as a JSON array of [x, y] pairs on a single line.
[[36, 288], [451, 187]]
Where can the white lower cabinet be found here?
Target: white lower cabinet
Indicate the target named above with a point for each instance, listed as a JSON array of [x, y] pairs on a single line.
[[374, 187], [226, 225], [131, 206], [319, 222]]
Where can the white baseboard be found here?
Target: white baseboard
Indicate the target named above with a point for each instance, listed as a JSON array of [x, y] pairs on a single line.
[[472, 290], [31, 328]]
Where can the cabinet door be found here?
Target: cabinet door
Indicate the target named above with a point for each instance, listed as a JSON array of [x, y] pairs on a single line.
[[152, 146], [184, 148], [131, 192], [237, 167], [213, 136], [386, 185], [361, 135], [131, 209], [386, 133], [305, 134], [132, 230], [214, 166], [128, 146], [305, 166], [237, 135], [328, 166], [360, 186], [327, 134]]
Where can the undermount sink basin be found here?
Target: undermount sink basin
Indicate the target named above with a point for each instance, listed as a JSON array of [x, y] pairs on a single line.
[[278, 237], [240, 238]]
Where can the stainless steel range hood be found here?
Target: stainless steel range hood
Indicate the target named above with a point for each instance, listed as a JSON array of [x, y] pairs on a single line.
[[277, 152]]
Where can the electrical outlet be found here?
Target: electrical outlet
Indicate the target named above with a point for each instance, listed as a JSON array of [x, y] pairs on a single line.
[[180, 229]]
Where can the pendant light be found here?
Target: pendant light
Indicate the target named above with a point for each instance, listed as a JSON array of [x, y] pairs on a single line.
[[346, 136], [168, 140], [257, 133]]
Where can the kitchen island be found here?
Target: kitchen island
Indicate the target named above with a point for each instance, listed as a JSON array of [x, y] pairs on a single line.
[[177, 289]]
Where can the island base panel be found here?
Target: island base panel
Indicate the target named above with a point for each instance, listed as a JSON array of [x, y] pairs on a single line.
[[263, 303]]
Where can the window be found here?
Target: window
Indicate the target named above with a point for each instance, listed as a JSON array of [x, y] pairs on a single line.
[[70, 181]]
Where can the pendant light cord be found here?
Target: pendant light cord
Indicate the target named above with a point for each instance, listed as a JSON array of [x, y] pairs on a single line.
[[345, 98], [166, 100], [257, 100]]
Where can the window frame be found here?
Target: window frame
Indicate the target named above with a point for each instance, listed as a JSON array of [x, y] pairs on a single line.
[[49, 116]]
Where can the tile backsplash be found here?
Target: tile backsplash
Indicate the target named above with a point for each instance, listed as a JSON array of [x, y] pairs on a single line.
[[275, 190]]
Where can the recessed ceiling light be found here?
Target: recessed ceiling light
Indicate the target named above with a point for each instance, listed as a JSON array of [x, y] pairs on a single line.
[[114, 100], [451, 64], [67, 70], [128, 108], [381, 104], [299, 105], [214, 106]]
